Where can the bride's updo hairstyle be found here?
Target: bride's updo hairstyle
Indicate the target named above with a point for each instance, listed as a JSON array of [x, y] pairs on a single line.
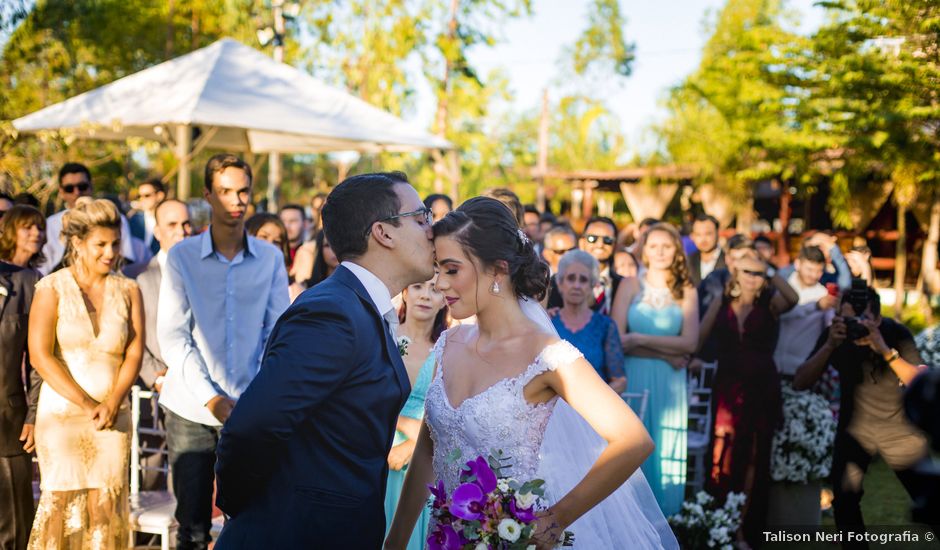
[[487, 230]]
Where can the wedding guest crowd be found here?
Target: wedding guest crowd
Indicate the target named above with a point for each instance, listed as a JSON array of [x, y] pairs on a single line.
[[193, 327]]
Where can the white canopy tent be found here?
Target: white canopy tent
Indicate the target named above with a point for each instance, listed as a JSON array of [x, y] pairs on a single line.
[[240, 101]]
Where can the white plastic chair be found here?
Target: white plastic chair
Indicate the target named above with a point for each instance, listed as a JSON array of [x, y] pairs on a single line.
[[151, 511], [637, 401], [699, 435]]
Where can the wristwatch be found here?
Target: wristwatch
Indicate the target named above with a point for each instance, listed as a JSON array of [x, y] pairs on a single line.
[[893, 356]]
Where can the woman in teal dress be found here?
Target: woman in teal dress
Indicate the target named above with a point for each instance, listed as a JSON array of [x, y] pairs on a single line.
[[423, 318], [658, 318]]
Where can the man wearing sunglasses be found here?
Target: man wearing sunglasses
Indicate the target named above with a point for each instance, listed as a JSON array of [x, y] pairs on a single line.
[[74, 182], [598, 239]]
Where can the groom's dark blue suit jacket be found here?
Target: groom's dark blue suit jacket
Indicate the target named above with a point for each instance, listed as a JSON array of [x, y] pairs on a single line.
[[302, 459]]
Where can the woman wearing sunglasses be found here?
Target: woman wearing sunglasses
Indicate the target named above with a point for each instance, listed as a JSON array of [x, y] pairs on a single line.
[[746, 391], [594, 334]]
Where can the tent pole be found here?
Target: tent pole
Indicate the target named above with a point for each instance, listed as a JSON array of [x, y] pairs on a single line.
[[274, 181], [184, 139]]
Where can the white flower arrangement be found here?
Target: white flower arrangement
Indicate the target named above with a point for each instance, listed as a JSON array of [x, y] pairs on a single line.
[[702, 523], [928, 343], [802, 447]]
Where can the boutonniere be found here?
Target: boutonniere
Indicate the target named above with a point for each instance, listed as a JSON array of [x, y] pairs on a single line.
[[403, 342], [4, 291]]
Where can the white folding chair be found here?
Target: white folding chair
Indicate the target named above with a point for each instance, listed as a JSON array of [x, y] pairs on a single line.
[[151, 511], [703, 377], [637, 402], [698, 434]]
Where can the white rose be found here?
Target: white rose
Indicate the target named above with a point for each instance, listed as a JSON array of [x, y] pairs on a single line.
[[502, 485], [509, 529], [526, 500], [481, 546]]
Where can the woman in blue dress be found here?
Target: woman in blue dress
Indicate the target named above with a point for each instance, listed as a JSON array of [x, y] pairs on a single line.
[[594, 334], [423, 318], [658, 318]]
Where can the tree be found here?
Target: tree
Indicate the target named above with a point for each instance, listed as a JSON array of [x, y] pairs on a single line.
[[876, 89], [737, 117], [61, 49]]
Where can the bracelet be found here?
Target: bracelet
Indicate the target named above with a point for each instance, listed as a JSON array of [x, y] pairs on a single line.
[[892, 357]]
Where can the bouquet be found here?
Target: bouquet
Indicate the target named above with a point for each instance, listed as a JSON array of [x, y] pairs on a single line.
[[488, 510], [802, 448], [703, 524]]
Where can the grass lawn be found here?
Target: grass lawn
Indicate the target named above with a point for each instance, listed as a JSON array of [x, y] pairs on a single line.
[[885, 503]]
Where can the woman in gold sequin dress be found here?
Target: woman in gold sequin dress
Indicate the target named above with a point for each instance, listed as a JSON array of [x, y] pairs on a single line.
[[86, 340]]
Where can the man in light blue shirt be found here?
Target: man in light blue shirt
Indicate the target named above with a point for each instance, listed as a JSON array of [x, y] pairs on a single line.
[[220, 296]]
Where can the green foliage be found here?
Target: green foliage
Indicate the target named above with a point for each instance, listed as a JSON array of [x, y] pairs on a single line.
[[602, 46], [857, 102], [735, 117]]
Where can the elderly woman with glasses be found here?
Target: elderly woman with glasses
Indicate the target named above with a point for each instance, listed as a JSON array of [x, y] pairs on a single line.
[[595, 335]]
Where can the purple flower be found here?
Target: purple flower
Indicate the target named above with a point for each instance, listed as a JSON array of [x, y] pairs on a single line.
[[440, 494], [468, 502], [444, 537], [525, 515], [485, 477]]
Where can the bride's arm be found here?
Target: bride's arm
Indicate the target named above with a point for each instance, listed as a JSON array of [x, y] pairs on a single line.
[[414, 494], [628, 443]]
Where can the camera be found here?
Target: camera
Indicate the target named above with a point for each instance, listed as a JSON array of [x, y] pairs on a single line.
[[857, 297]]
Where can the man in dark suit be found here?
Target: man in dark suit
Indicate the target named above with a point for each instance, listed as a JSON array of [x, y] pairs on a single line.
[[17, 415], [173, 225], [302, 459], [708, 256]]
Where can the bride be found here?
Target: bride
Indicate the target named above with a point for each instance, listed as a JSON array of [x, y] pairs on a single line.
[[497, 386]]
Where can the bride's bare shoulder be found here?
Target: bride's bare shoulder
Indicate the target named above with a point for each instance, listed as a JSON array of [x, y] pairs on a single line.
[[539, 338]]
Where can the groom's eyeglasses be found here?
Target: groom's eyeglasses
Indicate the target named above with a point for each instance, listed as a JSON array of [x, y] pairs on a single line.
[[425, 212]]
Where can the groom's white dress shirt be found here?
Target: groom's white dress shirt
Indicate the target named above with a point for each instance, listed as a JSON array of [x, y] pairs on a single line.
[[214, 319], [378, 292]]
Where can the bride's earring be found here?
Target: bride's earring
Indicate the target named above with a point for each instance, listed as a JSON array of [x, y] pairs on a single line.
[[495, 288]]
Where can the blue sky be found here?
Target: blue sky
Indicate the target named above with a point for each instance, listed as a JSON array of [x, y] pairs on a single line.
[[668, 35]]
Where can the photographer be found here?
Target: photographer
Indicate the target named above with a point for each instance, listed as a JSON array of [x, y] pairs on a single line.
[[876, 358]]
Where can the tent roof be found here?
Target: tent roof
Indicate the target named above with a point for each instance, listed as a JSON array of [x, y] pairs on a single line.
[[254, 103]]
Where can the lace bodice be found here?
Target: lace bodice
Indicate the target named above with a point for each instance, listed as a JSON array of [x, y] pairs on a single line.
[[498, 418]]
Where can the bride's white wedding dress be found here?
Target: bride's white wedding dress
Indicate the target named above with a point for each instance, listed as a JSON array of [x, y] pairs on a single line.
[[543, 441]]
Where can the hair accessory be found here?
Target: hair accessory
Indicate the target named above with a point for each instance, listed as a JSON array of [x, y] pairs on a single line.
[[523, 238]]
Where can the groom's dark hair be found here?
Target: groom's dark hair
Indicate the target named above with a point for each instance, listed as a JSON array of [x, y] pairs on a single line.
[[354, 205]]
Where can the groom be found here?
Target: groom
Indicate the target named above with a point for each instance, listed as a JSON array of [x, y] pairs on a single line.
[[302, 459]]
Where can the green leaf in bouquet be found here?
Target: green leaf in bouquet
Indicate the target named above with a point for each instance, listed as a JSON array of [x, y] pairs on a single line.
[[471, 530], [534, 486], [454, 456]]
